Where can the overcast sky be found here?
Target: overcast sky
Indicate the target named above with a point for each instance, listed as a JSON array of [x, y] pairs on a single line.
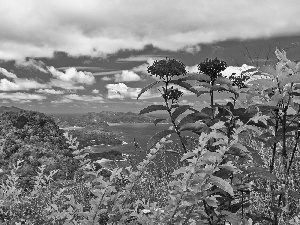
[[92, 55]]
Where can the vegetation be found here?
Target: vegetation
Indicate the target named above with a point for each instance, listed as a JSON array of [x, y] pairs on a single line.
[[243, 168]]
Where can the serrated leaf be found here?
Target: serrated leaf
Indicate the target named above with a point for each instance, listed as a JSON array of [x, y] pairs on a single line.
[[158, 121], [212, 201], [147, 88], [179, 171], [261, 172], [152, 108], [269, 70], [157, 137], [223, 184], [255, 155], [186, 86], [187, 155], [193, 117], [178, 111], [193, 126], [290, 79], [196, 76]]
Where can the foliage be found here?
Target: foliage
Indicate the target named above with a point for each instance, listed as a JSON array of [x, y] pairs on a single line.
[[242, 168]]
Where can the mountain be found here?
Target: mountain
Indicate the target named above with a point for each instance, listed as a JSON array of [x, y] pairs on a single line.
[[101, 119], [4, 109], [36, 139]]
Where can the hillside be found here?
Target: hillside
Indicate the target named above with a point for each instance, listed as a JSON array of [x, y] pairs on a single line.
[[4, 109], [36, 139]]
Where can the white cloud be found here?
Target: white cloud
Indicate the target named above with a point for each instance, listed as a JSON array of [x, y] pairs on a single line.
[[19, 96], [143, 68], [127, 76], [7, 74], [192, 69], [50, 91], [93, 27], [235, 69], [192, 49], [19, 84], [95, 91], [73, 76], [75, 97], [38, 65], [122, 91], [106, 78]]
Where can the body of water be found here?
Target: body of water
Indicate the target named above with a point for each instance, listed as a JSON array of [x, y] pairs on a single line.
[[130, 132]]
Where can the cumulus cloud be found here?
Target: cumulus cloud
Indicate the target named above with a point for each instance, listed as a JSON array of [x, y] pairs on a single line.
[[192, 49], [236, 70], [192, 69], [143, 68], [73, 76], [50, 91], [70, 78], [19, 96], [19, 84], [122, 91], [127, 76], [89, 28], [95, 91]]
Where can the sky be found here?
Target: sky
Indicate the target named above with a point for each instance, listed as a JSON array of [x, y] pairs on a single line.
[[78, 56]]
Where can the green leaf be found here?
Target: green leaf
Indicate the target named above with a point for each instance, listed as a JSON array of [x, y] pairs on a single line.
[[187, 155], [261, 172], [196, 76], [193, 126], [223, 80], [193, 117], [158, 121], [290, 79], [263, 83], [147, 88], [187, 86], [178, 111], [157, 137], [248, 71], [255, 156], [153, 108], [268, 70], [223, 184]]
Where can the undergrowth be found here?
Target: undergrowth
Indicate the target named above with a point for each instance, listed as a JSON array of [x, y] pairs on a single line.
[[240, 166]]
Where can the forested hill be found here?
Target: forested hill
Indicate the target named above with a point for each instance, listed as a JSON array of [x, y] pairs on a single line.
[[4, 109], [100, 119], [34, 138]]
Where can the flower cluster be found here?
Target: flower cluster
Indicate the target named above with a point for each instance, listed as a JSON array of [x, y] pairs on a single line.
[[212, 68], [167, 68], [172, 94]]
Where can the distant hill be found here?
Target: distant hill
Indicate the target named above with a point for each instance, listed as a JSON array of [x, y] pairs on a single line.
[[100, 119], [4, 109]]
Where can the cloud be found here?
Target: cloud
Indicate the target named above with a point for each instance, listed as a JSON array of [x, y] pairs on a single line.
[[106, 78], [100, 27], [143, 68], [95, 91], [8, 74], [19, 96], [50, 91], [122, 91], [127, 76], [235, 69], [73, 76], [70, 78], [84, 98], [19, 84], [31, 63], [192, 69], [192, 49], [141, 58]]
